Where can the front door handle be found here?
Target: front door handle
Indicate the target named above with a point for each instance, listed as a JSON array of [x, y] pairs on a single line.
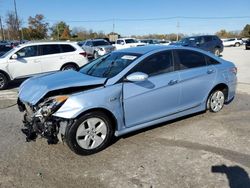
[[172, 82], [210, 71]]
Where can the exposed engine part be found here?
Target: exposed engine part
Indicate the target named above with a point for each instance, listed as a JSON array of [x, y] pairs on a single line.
[[38, 120]]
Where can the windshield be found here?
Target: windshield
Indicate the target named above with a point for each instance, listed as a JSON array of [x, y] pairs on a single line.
[[109, 65], [187, 41], [130, 41], [100, 43]]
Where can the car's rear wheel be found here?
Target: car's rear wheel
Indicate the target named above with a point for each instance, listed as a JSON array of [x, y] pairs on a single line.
[[3, 81], [217, 51], [237, 44], [90, 134], [69, 67], [216, 101]]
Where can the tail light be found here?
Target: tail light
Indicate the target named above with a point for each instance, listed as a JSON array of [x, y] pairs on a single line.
[[84, 54], [233, 70]]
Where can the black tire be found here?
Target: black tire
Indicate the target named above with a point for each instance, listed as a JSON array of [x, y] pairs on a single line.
[[3, 81], [96, 55], [237, 44], [215, 104], [73, 141], [217, 51], [69, 66]]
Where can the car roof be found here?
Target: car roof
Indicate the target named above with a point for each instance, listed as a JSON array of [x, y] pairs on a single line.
[[151, 48], [48, 42], [96, 40]]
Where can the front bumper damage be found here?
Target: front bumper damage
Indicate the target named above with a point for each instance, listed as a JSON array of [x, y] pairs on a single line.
[[37, 123]]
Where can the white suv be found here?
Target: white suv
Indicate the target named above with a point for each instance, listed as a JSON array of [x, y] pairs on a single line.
[[41, 57], [232, 42], [122, 43]]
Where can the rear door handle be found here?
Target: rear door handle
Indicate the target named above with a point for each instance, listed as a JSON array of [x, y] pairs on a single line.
[[210, 71], [172, 82]]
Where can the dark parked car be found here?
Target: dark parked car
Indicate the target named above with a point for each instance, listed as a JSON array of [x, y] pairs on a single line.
[[210, 43], [247, 45], [4, 49]]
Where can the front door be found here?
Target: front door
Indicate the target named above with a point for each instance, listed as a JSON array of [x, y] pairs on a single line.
[[156, 97], [26, 64]]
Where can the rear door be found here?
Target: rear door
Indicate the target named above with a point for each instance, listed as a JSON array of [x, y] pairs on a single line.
[[50, 57], [196, 78], [156, 97]]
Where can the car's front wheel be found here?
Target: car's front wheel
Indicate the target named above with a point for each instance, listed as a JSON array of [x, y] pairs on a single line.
[[90, 134], [3, 81], [216, 101]]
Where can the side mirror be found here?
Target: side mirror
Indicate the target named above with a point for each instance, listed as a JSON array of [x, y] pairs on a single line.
[[14, 56], [122, 43], [137, 77]]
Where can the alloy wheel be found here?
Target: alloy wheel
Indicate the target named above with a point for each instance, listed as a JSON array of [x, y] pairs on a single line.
[[91, 133], [217, 101]]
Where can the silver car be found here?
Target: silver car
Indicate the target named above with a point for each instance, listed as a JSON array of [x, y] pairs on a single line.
[[97, 47], [124, 91]]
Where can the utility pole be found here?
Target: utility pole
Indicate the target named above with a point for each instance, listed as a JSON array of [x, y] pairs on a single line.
[[113, 26], [1, 25], [178, 26], [57, 31], [17, 24]]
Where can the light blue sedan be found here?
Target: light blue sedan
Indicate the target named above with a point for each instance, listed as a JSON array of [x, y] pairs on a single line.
[[124, 91]]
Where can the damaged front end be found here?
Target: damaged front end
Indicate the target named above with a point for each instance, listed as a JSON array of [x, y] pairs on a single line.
[[39, 119]]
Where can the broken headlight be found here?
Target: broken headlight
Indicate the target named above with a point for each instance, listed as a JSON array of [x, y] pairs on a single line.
[[52, 104]]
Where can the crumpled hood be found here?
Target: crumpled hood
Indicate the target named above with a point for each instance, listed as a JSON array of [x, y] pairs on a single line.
[[33, 89]]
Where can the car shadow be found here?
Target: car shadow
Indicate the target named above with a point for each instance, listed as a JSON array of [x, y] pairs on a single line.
[[15, 84], [115, 139], [236, 175]]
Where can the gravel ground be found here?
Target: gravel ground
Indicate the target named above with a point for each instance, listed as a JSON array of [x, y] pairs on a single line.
[[202, 150]]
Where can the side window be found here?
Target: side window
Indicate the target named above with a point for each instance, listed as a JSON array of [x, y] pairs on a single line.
[[29, 51], [211, 61], [119, 41], [87, 43], [190, 59], [215, 38], [156, 64], [201, 40], [50, 49], [208, 38], [67, 48]]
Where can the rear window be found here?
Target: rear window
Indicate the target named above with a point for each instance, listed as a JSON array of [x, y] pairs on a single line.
[[130, 41], [67, 48], [211, 61], [190, 59], [50, 49], [100, 43]]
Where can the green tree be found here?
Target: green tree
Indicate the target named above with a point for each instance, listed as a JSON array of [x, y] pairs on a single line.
[[37, 27], [58, 29], [66, 34], [246, 31]]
